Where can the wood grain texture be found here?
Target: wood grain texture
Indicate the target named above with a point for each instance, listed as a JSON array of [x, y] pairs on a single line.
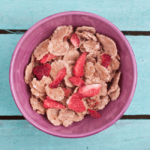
[[139, 105], [122, 135], [126, 15]]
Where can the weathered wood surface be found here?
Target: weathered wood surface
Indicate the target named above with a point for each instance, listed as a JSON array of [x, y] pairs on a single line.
[[125, 134], [126, 15], [139, 105]]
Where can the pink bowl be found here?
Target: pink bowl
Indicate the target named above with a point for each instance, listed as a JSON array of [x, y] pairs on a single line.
[[42, 30]]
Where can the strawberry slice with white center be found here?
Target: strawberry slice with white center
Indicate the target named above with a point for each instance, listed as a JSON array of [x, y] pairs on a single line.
[[50, 103], [77, 81], [67, 92], [94, 113], [75, 40], [90, 90], [47, 58], [78, 69], [60, 76], [106, 59], [75, 103]]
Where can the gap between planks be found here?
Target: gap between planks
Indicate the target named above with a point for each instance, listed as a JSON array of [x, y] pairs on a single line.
[[17, 31], [124, 117]]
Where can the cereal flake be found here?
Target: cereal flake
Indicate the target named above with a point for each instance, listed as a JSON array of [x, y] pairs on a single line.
[[115, 82], [114, 95], [55, 93], [104, 100], [40, 85], [37, 105], [86, 28], [66, 116], [89, 70], [108, 45], [41, 50], [28, 71], [91, 46], [103, 72], [52, 115], [71, 56]]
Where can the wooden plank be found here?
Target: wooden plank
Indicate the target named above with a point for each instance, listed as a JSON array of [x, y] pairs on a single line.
[[125, 134], [139, 104], [125, 15], [7, 105]]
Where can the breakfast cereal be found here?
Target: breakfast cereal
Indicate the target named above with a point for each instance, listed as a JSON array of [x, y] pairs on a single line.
[[73, 73]]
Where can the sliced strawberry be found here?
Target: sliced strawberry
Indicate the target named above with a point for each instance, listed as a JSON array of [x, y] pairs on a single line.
[[42, 70], [61, 74], [49, 103], [75, 103], [93, 102], [106, 59], [94, 113], [77, 81], [47, 58], [90, 90], [75, 40], [78, 69], [67, 92]]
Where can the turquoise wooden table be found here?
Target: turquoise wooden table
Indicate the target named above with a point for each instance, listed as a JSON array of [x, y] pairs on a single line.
[[132, 131]]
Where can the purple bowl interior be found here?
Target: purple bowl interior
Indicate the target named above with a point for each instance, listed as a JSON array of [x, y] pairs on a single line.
[[42, 30]]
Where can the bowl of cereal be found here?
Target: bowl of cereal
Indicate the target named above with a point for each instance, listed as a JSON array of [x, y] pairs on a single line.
[[73, 74]]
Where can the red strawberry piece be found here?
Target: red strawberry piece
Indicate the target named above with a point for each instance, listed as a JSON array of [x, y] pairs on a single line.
[[67, 92], [78, 69], [106, 59], [47, 58], [42, 70], [61, 74], [90, 90], [75, 40], [49, 103], [94, 113], [75, 103], [77, 81], [92, 102]]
